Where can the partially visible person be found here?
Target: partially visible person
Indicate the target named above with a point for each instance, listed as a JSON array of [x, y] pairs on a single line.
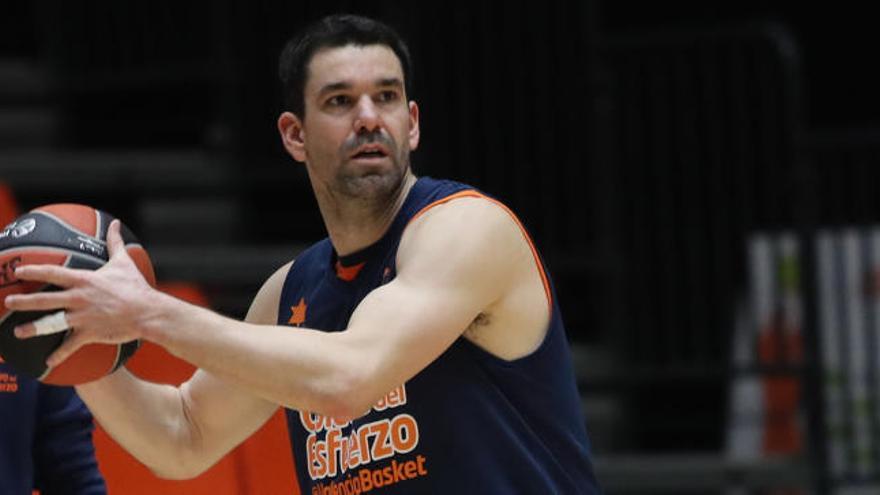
[[45, 439]]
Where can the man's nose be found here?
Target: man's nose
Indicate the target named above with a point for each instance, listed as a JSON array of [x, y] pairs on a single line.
[[367, 119]]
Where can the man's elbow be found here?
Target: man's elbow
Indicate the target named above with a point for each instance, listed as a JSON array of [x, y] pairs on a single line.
[[186, 458], [345, 399]]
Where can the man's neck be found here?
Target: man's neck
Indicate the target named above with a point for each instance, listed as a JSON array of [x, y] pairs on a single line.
[[352, 225]]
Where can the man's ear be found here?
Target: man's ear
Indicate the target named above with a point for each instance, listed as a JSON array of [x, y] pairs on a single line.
[[414, 132], [292, 135]]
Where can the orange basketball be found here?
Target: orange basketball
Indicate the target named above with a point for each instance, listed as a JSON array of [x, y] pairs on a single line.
[[68, 235]]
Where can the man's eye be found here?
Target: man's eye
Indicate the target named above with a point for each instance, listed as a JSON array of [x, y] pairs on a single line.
[[386, 96], [338, 101]]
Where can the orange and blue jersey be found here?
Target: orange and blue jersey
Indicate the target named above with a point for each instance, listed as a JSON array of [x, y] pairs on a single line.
[[45, 439], [469, 422]]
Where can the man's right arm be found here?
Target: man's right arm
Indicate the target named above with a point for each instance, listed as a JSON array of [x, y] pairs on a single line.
[[178, 432]]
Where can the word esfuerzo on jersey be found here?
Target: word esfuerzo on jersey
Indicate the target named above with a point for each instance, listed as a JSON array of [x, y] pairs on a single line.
[[333, 448]]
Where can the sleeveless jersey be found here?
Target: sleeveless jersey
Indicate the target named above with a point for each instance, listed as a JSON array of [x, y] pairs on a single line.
[[469, 422]]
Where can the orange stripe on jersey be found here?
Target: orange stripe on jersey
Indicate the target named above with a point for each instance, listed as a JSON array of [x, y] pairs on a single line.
[[475, 194], [348, 273]]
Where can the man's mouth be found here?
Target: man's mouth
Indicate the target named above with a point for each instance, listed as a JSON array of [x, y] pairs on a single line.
[[370, 152]]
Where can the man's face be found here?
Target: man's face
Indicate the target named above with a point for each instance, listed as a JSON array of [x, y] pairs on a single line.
[[358, 128]]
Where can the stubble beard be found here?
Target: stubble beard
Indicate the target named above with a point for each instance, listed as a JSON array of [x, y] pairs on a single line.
[[374, 188], [371, 194]]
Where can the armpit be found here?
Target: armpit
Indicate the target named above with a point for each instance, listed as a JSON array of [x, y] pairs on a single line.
[[473, 331]]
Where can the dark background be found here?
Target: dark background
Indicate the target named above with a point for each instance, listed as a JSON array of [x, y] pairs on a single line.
[[641, 143], [836, 46]]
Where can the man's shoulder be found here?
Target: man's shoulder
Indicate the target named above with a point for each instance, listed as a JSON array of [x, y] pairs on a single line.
[[428, 193]]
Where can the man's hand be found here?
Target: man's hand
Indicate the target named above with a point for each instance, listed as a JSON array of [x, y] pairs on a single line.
[[102, 306]]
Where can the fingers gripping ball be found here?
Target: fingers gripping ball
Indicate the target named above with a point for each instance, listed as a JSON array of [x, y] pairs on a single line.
[[73, 236]]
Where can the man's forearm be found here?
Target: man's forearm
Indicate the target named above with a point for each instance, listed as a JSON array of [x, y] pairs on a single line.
[[297, 368], [147, 419]]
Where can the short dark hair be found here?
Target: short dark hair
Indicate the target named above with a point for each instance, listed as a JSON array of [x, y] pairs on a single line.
[[332, 32]]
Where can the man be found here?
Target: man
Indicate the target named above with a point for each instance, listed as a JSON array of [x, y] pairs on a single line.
[[45, 439], [430, 358]]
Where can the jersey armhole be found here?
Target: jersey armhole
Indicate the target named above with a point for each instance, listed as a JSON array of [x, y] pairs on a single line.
[[470, 193]]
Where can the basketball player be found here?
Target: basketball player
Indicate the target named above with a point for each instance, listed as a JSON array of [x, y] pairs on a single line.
[[45, 439], [429, 355]]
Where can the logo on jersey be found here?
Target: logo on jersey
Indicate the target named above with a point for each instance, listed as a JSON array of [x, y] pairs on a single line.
[[298, 313], [8, 382], [332, 452]]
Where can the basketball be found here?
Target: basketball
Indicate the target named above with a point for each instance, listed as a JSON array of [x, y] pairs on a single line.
[[73, 236]]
